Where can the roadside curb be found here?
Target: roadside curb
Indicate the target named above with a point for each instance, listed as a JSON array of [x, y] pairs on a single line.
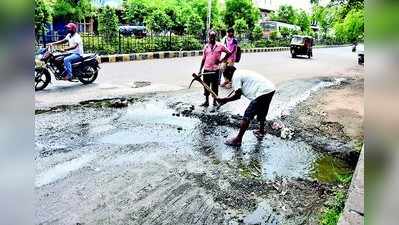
[[354, 206], [181, 54]]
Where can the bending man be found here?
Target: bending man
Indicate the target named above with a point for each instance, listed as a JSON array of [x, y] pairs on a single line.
[[256, 88]]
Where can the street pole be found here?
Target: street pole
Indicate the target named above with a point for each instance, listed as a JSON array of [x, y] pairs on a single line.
[[208, 21]]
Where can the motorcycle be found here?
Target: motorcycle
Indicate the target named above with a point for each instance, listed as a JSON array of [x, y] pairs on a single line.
[[51, 61]]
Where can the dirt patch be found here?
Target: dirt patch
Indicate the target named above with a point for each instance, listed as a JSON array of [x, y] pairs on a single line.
[[346, 106], [331, 120]]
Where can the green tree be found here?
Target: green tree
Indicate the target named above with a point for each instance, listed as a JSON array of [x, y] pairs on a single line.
[[354, 25], [303, 21], [325, 18], [42, 15], [240, 26], [348, 4], [194, 24], [241, 10], [158, 21], [286, 14], [200, 7], [72, 10], [136, 11], [108, 23], [352, 28], [218, 25]]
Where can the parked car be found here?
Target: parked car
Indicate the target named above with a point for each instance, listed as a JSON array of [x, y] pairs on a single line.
[[301, 45], [360, 53], [138, 31]]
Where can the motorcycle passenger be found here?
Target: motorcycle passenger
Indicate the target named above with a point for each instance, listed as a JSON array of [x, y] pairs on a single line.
[[75, 49]]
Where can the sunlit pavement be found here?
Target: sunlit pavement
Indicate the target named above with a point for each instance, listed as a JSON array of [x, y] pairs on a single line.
[[118, 79]]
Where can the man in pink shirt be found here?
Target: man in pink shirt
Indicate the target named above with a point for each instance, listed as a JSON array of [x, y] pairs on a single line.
[[210, 63], [231, 44]]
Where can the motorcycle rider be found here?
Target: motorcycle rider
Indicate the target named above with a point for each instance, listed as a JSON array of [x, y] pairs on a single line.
[[75, 49]]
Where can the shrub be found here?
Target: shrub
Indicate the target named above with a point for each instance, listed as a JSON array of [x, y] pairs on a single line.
[[108, 23], [257, 33], [104, 45], [261, 44]]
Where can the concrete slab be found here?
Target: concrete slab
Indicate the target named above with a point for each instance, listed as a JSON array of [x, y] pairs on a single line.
[[354, 208]]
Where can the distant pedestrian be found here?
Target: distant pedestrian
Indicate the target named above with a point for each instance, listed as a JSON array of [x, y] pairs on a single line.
[[231, 44], [256, 88], [210, 63]]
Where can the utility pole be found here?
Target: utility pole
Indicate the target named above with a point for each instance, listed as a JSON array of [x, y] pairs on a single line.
[[208, 20]]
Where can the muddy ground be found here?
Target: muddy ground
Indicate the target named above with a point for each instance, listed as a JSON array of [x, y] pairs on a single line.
[[162, 160], [332, 120]]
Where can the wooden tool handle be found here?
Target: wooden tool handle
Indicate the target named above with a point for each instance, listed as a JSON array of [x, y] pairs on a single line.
[[198, 78]]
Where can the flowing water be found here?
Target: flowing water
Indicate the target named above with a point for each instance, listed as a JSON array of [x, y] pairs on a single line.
[[148, 164]]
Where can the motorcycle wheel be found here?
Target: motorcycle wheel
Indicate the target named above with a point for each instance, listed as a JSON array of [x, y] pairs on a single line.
[[42, 78], [92, 72]]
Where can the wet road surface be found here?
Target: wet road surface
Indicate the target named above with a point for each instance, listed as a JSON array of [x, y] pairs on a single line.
[[150, 164], [120, 79]]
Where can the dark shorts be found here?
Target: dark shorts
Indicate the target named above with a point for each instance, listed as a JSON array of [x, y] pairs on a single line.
[[258, 107], [212, 80], [228, 76]]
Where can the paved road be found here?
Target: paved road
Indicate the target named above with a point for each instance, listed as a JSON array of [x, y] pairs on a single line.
[[116, 79]]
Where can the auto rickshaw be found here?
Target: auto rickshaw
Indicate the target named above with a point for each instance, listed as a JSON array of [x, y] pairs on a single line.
[[301, 45]]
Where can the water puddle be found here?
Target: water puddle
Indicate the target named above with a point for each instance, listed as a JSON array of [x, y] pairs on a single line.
[[263, 215], [62, 170], [275, 157], [153, 124], [330, 169]]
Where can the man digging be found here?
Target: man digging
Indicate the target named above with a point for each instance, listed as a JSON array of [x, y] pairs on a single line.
[[210, 63], [256, 88]]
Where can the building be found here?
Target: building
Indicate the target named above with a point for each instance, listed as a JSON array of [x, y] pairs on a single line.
[[268, 6]]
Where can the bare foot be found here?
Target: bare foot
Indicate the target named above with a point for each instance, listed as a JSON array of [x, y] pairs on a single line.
[[233, 142]]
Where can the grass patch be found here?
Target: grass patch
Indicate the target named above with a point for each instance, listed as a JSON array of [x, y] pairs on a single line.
[[344, 178], [333, 209]]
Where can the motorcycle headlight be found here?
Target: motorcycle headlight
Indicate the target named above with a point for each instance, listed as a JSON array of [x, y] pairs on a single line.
[[38, 60]]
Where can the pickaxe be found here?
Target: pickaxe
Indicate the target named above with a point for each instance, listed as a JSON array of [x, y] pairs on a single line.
[[198, 78]]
